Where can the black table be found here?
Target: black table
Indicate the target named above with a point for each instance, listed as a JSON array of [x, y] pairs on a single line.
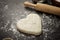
[[13, 10]]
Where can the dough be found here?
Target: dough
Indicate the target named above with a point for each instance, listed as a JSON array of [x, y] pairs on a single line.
[[7, 39], [31, 24]]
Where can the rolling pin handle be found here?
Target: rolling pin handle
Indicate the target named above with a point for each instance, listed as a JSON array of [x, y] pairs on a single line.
[[44, 8], [28, 4]]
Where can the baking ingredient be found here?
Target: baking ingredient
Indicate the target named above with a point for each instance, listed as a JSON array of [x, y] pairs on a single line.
[[7, 39], [31, 24]]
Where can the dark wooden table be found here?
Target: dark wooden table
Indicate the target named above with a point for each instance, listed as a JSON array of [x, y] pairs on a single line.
[[13, 10]]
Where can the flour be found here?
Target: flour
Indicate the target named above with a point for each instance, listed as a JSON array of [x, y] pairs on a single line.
[[58, 0], [6, 24], [6, 7]]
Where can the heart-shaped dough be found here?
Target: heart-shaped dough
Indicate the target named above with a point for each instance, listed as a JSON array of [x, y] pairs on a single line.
[[31, 24]]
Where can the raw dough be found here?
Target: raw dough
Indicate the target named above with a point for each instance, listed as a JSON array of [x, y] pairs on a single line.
[[31, 24]]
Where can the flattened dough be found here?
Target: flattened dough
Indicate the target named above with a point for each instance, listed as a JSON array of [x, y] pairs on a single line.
[[31, 24]]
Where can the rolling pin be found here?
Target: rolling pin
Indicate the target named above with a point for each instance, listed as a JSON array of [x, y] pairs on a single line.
[[44, 8]]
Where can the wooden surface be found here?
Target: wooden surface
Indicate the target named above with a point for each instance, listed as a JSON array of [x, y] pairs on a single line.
[[43, 8]]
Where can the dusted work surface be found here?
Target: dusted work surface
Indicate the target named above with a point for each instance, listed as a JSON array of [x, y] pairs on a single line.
[[13, 10]]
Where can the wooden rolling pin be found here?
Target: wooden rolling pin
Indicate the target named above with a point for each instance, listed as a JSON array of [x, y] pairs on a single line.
[[44, 8]]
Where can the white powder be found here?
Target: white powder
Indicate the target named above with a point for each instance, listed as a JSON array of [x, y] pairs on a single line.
[[6, 7], [58, 0]]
